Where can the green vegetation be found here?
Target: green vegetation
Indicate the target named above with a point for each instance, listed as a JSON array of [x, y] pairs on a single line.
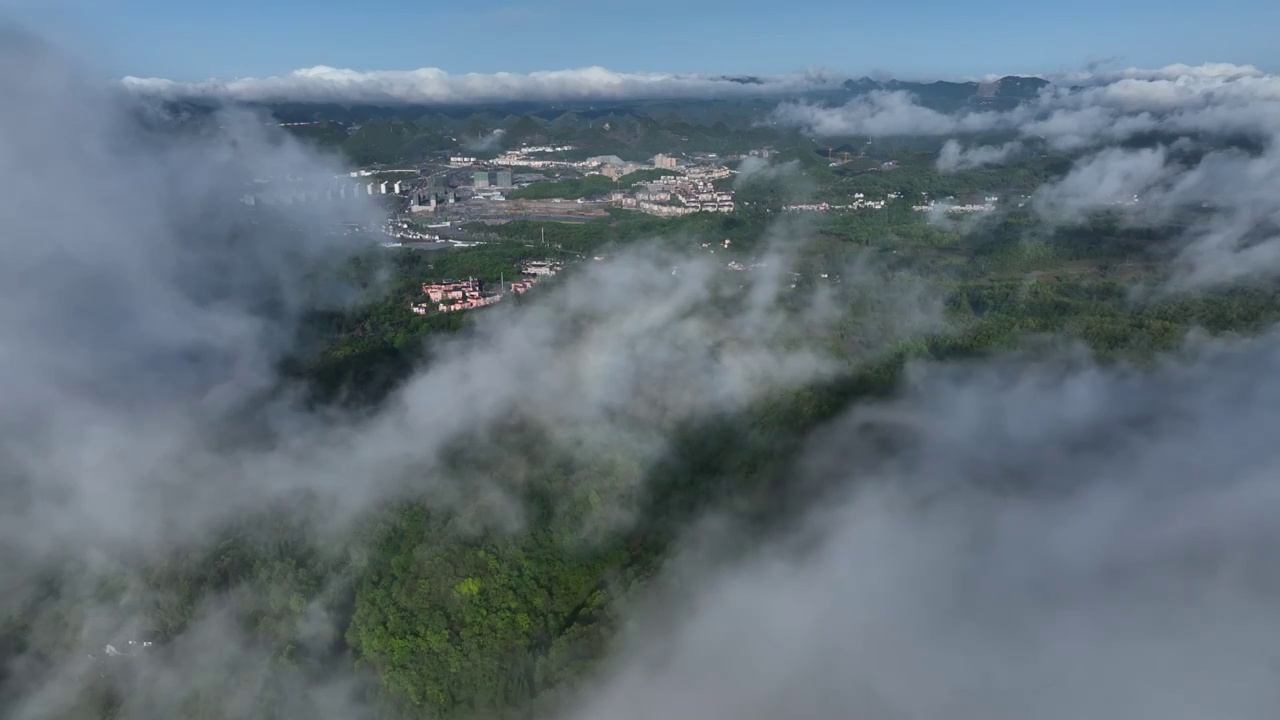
[[452, 616], [625, 226], [455, 620], [916, 176], [591, 186], [634, 132], [378, 142]]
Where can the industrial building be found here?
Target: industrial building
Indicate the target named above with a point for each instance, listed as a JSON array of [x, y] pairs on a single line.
[[428, 200], [664, 162]]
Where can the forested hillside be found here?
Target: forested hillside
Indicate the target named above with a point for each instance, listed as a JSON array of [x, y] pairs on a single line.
[[457, 613], [964, 407]]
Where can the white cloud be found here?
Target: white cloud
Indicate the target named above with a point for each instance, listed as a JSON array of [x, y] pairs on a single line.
[[432, 85], [883, 113], [1110, 177], [1213, 99], [1049, 540], [1229, 199], [131, 334], [953, 157], [1176, 71], [142, 326]]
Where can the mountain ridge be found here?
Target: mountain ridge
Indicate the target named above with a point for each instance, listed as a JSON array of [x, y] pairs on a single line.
[[1004, 92]]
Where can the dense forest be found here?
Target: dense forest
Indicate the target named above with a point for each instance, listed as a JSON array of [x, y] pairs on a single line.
[[454, 623], [965, 408], [632, 129], [633, 133], [495, 579]]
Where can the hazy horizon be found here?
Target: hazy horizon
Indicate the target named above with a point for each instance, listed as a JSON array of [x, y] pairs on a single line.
[[941, 403], [919, 39]]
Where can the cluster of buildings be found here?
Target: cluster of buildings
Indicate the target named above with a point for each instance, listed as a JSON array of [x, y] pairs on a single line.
[[529, 156], [452, 289], [610, 166], [530, 149], [428, 200], [614, 167], [987, 205], [673, 195], [457, 295], [470, 303], [707, 173], [539, 268], [860, 202], [688, 191], [454, 295], [535, 156], [664, 162], [483, 179], [400, 230]]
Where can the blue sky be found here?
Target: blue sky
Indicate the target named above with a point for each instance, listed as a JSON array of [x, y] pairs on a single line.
[[197, 39]]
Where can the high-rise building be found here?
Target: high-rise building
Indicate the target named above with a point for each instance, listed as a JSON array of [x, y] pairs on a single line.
[[482, 180], [664, 162], [503, 178]]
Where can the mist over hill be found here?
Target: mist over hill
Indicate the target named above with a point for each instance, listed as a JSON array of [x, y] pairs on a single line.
[[964, 407], [299, 102]]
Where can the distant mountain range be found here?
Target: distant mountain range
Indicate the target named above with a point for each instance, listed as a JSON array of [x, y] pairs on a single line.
[[948, 96], [736, 112], [940, 95], [636, 128]]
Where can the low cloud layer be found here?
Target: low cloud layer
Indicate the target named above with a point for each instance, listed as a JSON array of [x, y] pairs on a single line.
[[1051, 540], [954, 157], [1036, 540], [1106, 178], [142, 334], [1228, 201], [435, 86], [1206, 153], [878, 114], [485, 143], [1098, 109], [753, 169]]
